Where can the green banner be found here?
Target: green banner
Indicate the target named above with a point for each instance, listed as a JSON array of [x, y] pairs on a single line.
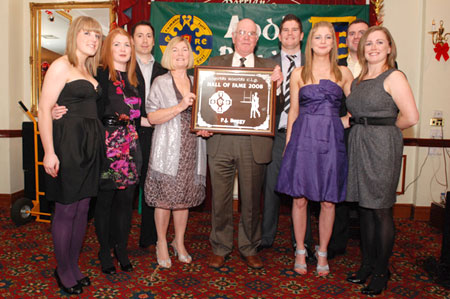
[[208, 25]]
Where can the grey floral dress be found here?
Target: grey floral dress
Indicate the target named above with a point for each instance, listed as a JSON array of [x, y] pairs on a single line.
[[181, 191]]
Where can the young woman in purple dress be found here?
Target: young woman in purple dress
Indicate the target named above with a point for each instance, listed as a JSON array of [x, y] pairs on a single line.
[[314, 165]]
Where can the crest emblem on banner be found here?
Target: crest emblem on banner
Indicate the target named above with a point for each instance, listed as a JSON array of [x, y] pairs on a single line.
[[194, 30]]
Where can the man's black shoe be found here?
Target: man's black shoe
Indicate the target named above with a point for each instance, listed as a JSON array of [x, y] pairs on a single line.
[[332, 253], [310, 257], [262, 247]]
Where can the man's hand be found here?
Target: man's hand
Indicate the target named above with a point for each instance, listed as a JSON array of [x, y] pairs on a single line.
[[58, 111], [277, 75], [204, 133]]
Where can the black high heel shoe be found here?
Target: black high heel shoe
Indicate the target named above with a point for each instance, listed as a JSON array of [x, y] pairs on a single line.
[[124, 262], [75, 290], [84, 282], [360, 276], [377, 284]]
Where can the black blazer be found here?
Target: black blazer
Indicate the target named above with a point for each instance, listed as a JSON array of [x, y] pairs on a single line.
[[158, 70], [343, 109]]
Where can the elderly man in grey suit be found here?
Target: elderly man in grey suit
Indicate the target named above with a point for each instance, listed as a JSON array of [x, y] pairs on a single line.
[[248, 154]]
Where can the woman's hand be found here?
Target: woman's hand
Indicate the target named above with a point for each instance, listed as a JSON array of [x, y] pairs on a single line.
[[51, 164], [58, 111], [346, 120], [204, 133], [187, 101]]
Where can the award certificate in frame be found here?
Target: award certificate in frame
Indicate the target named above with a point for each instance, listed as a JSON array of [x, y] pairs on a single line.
[[233, 100]]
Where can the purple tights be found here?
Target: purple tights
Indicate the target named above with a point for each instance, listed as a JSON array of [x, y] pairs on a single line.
[[68, 230]]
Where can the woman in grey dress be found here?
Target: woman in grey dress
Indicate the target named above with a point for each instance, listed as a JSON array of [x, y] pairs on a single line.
[[177, 169], [381, 104]]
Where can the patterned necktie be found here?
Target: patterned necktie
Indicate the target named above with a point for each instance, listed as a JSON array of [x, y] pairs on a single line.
[[287, 94], [242, 59]]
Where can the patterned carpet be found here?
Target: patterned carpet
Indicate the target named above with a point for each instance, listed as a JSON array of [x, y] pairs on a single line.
[[27, 264]]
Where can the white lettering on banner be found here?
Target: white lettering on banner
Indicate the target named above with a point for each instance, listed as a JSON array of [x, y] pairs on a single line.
[[225, 50], [266, 30], [235, 19], [233, 24], [265, 33]]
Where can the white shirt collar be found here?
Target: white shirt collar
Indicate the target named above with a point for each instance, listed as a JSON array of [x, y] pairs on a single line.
[[140, 62], [249, 60]]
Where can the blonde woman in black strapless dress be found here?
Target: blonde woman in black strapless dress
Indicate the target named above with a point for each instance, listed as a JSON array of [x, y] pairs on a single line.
[[73, 146]]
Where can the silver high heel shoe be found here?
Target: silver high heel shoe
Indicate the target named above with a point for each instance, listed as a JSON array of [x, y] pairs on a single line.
[[301, 268], [322, 270], [187, 259], [163, 263]]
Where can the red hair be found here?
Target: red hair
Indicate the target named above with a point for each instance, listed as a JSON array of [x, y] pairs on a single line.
[[108, 60]]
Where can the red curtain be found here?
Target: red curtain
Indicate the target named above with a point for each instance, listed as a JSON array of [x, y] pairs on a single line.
[[141, 8], [122, 6]]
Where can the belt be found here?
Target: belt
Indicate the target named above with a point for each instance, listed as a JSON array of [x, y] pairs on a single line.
[[113, 121], [282, 130], [373, 121]]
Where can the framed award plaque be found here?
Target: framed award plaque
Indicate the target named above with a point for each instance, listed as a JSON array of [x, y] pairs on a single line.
[[233, 100]]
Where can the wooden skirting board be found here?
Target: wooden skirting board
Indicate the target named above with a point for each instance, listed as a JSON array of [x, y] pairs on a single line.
[[10, 133], [7, 199], [401, 211]]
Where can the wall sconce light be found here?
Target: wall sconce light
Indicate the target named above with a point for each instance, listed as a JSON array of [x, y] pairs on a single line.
[[439, 40]]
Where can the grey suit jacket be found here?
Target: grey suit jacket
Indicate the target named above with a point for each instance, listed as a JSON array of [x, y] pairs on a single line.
[[261, 146]]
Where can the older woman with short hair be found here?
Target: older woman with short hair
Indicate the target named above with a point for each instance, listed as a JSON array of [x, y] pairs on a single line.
[[177, 168]]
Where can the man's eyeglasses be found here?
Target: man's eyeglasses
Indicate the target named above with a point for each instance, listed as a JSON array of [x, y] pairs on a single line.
[[249, 33]]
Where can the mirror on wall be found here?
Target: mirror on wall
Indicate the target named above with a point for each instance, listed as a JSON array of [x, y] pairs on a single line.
[[49, 25]]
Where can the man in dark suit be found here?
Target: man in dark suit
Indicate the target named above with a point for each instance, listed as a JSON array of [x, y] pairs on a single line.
[[248, 154], [290, 56], [147, 69], [340, 234]]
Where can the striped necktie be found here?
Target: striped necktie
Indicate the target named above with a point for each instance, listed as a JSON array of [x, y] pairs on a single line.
[[242, 59], [287, 94]]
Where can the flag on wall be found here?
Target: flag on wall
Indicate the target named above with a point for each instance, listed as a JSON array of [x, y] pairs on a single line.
[[208, 25]]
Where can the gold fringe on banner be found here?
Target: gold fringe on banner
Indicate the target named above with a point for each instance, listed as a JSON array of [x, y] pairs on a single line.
[[378, 7]]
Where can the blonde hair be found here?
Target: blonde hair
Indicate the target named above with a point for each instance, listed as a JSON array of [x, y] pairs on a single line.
[[88, 24], [108, 59], [307, 74], [391, 57], [166, 60]]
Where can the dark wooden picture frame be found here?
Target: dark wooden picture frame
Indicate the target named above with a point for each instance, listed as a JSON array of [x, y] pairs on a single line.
[[234, 100]]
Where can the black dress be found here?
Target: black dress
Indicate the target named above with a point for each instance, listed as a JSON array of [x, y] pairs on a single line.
[[78, 140]]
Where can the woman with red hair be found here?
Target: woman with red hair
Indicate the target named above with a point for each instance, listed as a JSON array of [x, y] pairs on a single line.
[[119, 110]]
